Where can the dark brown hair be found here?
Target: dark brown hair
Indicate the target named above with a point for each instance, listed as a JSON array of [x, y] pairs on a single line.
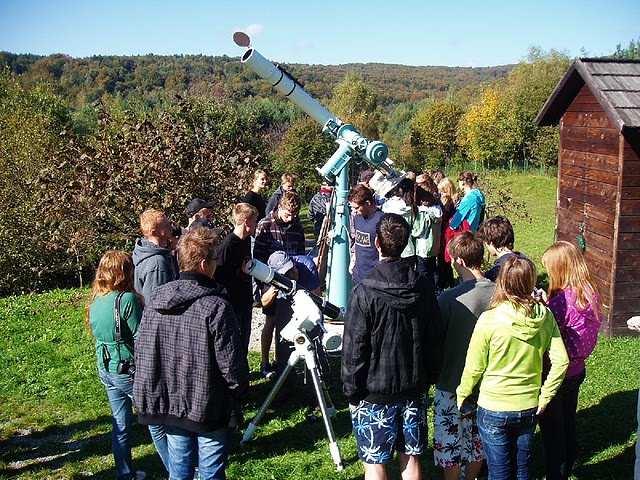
[[467, 247], [393, 234], [468, 178], [361, 194], [498, 232]]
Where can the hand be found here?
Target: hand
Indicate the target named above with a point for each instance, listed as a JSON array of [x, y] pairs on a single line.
[[236, 420], [243, 267], [541, 409], [269, 296]]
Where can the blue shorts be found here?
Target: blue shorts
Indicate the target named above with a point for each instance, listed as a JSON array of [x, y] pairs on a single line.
[[380, 429]]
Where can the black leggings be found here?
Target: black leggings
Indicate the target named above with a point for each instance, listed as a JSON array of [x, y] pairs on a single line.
[[558, 428]]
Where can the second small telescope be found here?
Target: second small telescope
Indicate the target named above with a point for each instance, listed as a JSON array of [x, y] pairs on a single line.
[[268, 275]]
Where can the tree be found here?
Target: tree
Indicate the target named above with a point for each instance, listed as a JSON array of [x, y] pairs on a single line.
[[478, 133], [355, 102], [631, 52], [397, 128], [302, 150], [433, 132], [500, 128], [89, 198], [30, 124]]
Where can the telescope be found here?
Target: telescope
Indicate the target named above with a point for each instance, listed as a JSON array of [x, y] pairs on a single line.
[[308, 336], [351, 146], [266, 274]]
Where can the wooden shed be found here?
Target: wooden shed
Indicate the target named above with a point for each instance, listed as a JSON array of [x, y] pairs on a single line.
[[597, 105]]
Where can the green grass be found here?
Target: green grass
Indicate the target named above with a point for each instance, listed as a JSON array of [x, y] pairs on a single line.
[[537, 196], [55, 419]]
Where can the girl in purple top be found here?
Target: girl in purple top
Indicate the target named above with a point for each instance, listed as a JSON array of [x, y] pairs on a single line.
[[574, 302]]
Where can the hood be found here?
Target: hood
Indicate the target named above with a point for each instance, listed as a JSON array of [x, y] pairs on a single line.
[[525, 326], [179, 294], [396, 205], [395, 282], [145, 249]]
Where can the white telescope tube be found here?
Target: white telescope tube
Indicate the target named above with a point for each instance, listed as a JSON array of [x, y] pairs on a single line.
[[284, 84]]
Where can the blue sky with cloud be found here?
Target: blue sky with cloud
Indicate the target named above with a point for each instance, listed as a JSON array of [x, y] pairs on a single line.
[[463, 33]]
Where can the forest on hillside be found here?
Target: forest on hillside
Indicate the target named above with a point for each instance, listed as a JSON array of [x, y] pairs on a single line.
[[87, 144], [155, 78]]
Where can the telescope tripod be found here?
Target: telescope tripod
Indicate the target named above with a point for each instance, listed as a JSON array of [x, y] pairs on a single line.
[[304, 350]]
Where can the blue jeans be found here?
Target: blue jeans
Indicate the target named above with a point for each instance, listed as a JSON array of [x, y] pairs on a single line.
[[210, 448], [507, 438], [120, 392]]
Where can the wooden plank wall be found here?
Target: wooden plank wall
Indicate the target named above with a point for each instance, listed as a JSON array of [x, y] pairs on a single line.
[[626, 301], [588, 170]]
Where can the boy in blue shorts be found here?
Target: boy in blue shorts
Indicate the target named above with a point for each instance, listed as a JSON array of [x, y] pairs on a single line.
[[387, 356]]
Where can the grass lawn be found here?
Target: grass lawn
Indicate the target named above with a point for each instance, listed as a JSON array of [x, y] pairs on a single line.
[[55, 420]]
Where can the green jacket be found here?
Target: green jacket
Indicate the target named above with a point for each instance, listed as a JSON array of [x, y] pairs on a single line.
[[505, 354], [397, 205], [103, 328], [426, 231]]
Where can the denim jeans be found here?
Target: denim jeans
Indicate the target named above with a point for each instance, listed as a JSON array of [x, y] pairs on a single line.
[[120, 392], [210, 448], [558, 428], [507, 438]]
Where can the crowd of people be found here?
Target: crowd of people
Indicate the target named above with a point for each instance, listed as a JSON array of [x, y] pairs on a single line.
[[172, 324]]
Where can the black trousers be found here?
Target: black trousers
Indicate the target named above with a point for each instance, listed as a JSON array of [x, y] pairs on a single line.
[[427, 267], [558, 428], [445, 274]]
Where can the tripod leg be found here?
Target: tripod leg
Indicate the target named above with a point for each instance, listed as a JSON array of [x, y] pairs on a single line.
[[333, 444], [251, 428]]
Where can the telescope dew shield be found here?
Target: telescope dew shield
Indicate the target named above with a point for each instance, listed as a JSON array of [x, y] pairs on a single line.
[[284, 84], [268, 275], [265, 274]]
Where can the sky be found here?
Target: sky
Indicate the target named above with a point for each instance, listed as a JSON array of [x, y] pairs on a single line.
[[451, 32]]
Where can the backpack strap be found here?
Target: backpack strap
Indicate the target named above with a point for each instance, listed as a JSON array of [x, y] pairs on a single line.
[[117, 319]]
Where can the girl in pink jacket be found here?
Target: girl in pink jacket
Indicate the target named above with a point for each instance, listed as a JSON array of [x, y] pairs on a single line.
[[574, 302]]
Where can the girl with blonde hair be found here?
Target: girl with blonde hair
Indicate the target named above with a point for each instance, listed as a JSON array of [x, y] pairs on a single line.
[[113, 316], [449, 200], [573, 299], [505, 356]]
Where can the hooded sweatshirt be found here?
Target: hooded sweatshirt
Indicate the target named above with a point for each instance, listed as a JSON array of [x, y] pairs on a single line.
[[506, 354], [398, 205], [154, 266], [190, 368], [426, 230], [387, 354]]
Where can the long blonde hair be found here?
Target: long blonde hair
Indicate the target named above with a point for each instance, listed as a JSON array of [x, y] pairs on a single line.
[[448, 191], [515, 284], [567, 268], [114, 273]]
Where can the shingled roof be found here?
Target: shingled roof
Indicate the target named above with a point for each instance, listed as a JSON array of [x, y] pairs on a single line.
[[615, 83]]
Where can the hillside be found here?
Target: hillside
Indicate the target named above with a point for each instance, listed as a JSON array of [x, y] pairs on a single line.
[[153, 77]]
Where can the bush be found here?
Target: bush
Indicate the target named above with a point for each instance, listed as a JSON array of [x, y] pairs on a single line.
[[303, 148], [92, 194], [30, 123]]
